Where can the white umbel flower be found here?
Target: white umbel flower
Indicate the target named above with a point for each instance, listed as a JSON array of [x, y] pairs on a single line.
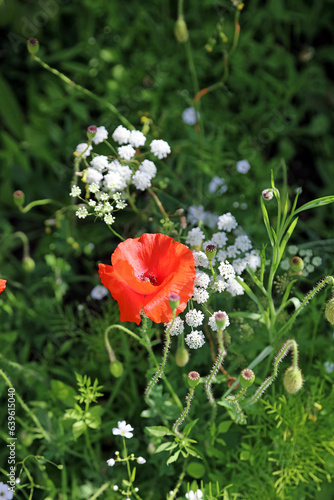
[[226, 270], [201, 259], [101, 135], [93, 176], [219, 239], [243, 243], [227, 222], [99, 162], [81, 213], [234, 288], [160, 148], [141, 180], [121, 135], [194, 318], [195, 237], [136, 138], [147, 167], [75, 191], [202, 279], [126, 152], [83, 149], [123, 429], [177, 328], [200, 295], [195, 339]]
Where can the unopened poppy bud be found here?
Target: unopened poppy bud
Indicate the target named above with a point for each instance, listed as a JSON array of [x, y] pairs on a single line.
[[293, 379], [193, 379], [247, 377], [174, 300], [181, 356], [296, 264], [18, 197], [116, 368], [28, 264], [33, 46], [211, 251], [329, 311], [267, 194], [91, 132], [181, 30], [221, 319]]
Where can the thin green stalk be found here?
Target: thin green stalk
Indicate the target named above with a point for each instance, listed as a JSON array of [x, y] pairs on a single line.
[[35, 204], [102, 488], [103, 102], [184, 413], [115, 233], [179, 482]]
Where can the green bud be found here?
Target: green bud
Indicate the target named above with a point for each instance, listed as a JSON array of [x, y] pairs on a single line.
[[293, 379], [91, 132], [174, 300], [181, 356], [329, 311], [18, 197], [33, 46], [28, 264], [296, 264], [193, 379], [116, 368], [247, 377], [181, 30], [211, 251]]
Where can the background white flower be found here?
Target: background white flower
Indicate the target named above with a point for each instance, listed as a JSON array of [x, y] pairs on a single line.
[[123, 429]]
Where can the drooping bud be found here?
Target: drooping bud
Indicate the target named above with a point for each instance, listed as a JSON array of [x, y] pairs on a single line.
[[329, 311], [181, 30], [267, 194], [193, 378], [28, 264], [116, 368], [18, 197], [296, 264], [293, 379], [91, 132], [33, 46], [247, 377], [174, 300], [211, 251], [181, 356]]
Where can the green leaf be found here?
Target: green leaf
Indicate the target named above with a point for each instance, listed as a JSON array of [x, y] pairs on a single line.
[[267, 222], [189, 426], [158, 430], [10, 110], [195, 470], [78, 428], [64, 392], [173, 458], [224, 426], [287, 236], [319, 202], [166, 447]]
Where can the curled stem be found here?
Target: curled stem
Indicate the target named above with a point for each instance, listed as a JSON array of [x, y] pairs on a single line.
[[185, 412], [221, 355]]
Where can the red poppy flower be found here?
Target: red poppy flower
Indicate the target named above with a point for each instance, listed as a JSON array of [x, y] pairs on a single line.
[[144, 272], [2, 285]]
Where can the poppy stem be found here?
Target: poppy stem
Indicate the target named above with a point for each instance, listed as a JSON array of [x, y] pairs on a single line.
[[221, 355], [161, 368], [184, 413]]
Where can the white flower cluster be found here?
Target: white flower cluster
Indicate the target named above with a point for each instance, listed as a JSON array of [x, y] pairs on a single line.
[[177, 328], [195, 339], [109, 177]]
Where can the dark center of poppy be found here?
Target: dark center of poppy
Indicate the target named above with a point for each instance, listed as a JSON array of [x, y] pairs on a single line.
[[149, 277]]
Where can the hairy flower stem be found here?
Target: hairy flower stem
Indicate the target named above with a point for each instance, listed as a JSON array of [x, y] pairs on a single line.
[[103, 102], [185, 412], [221, 355], [110, 350], [290, 345], [161, 368]]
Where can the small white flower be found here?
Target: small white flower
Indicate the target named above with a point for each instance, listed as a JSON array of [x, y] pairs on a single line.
[[234, 288], [218, 182], [115, 487], [81, 213], [201, 259], [75, 191], [101, 135], [219, 285], [123, 429], [239, 265], [194, 318], [221, 255], [219, 239], [243, 166], [94, 187], [99, 292], [232, 251], [309, 268], [83, 149], [92, 203], [195, 339], [103, 197], [126, 152], [99, 162], [190, 116], [111, 462], [109, 219], [226, 270], [93, 176], [148, 168], [317, 261], [160, 148], [141, 460], [227, 222], [5, 492], [195, 237], [253, 260], [121, 135], [196, 214], [285, 264], [243, 243], [177, 328], [141, 180], [213, 323], [137, 138], [194, 495], [292, 250], [202, 279], [200, 295]]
